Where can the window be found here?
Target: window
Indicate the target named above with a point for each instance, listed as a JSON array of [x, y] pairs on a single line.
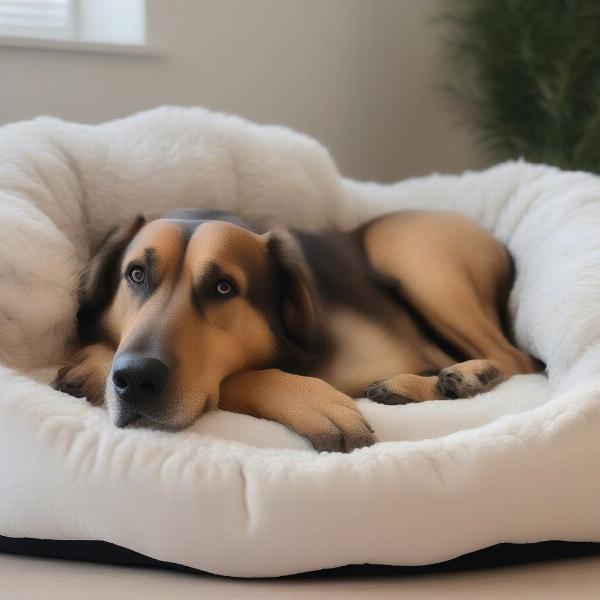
[[41, 18], [96, 21]]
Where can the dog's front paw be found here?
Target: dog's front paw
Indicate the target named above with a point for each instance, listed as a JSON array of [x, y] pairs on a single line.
[[70, 381], [85, 374], [335, 425], [77, 381], [405, 388], [381, 392]]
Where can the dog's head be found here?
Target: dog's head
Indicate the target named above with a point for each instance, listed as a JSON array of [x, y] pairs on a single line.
[[186, 301]]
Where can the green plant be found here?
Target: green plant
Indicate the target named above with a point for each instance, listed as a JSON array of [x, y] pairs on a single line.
[[528, 72]]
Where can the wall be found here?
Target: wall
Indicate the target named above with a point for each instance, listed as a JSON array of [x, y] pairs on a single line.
[[363, 76]]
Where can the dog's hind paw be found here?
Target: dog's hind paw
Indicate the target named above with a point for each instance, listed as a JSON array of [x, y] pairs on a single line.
[[467, 379]]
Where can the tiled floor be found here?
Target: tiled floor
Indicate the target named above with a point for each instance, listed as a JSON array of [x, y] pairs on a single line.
[[40, 579]]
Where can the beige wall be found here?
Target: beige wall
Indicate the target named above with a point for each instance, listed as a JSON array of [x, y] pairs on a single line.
[[363, 76]]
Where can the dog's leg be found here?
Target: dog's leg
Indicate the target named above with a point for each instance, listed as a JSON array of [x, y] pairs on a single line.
[[461, 380], [84, 376], [309, 406], [456, 275], [404, 389]]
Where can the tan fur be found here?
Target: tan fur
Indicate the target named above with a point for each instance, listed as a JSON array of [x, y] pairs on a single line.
[[369, 352], [456, 275], [404, 389], [308, 405]]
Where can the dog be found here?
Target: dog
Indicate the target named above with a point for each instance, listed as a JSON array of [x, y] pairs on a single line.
[[201, 309]]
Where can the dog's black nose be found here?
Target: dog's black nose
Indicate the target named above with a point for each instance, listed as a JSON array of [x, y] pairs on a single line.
[[139, 379]]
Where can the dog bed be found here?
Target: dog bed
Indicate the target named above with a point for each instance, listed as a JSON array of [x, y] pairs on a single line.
[[239, 496]]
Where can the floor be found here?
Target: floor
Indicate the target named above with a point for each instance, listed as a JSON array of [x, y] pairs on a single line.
[[41, 579]]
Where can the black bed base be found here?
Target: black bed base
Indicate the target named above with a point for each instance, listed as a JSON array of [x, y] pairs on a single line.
[[500, 555]]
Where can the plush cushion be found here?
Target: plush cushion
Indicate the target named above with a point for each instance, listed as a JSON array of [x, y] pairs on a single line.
[[240, 496]]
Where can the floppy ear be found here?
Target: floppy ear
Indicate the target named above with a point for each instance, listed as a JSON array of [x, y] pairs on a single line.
[[295, 295], [99, 282]]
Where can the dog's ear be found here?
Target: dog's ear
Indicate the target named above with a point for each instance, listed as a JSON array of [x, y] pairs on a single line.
[[294, 290], [99, 282]]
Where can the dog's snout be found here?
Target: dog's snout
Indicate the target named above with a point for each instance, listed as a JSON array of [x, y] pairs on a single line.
[[139, 379]]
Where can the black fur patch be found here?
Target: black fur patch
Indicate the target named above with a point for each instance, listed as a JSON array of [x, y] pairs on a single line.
[[99, 283]]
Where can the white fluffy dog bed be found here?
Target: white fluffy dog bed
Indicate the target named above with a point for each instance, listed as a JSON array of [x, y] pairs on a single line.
[[244, 497]]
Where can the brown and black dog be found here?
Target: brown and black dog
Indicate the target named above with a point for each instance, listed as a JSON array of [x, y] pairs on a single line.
[[200, 309]]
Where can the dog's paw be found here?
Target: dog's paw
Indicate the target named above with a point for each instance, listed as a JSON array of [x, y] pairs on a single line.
[[379, 391], [85, 374], [467, 379], [70, 381], [77, 381], [335, 425]]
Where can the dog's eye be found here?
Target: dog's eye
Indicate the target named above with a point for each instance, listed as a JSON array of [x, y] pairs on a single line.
[[137, 275], [224, 288]]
